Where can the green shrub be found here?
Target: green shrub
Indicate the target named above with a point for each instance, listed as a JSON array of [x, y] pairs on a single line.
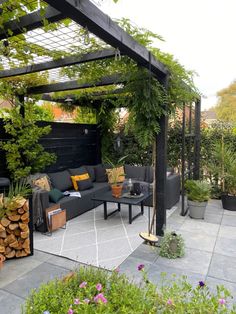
[[172, 245], [91, 290], [198, 191]]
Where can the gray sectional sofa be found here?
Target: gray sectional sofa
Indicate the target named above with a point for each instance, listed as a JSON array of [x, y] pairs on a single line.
[[76, 206]]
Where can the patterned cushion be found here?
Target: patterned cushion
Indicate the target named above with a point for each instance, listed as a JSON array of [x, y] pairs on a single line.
[[42, 183], [115, 174]]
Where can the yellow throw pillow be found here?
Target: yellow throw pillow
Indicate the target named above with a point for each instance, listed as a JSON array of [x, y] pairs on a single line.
[[79, 177], [116, 174], [42, 183]]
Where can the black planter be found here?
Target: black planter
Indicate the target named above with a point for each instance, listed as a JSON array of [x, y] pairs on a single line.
[[228, 202]]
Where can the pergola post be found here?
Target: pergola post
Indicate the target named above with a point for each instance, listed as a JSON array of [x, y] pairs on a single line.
[[196, 170], [160, 175]]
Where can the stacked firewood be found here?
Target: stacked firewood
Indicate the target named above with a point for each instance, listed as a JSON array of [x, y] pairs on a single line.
[[14, 232]]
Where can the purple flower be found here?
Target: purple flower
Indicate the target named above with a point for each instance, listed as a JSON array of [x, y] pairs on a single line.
[[117, 270], [83, 284], [70, 311], [100, 297], [169, 302], [140, 267], [86, 301], [46, 312], [99, 287], [201, 283], [76, 301], [222, 301]]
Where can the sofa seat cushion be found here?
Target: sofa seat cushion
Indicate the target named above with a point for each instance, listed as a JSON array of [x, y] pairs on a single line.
[[61, 180], [135, 172]]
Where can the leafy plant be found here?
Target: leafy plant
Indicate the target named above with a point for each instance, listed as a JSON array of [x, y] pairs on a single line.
[[115, 174], [24, 154], [172, 245], [197, 190], [91, 290]]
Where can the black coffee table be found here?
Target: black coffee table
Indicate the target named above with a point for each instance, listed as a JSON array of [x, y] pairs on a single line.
[[106, 197]]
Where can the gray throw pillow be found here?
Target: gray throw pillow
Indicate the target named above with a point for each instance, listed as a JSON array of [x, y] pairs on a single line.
[[91, 172], [61, 180], [135, 172], [85, 184]]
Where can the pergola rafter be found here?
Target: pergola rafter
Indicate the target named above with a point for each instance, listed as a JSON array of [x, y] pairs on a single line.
[[59, 63], [72, 85]]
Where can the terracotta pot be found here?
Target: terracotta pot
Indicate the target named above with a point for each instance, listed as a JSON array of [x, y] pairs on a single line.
[[116, 190]]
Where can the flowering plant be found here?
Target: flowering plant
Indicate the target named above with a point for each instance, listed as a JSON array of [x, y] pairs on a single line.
[[91, 290]]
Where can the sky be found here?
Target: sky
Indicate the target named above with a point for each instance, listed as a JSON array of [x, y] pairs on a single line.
[[199, 33]]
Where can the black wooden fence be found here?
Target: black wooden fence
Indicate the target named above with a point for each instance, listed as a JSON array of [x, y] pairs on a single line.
[[74, 145]]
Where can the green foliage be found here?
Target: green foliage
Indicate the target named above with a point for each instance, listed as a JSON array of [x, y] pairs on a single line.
[[19, 188], [44, 113], [198, 191], [172, 245], [85, 115], [226, 105], [24, 154], [118, 295]]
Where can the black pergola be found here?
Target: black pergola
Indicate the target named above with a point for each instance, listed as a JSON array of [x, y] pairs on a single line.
[[87, 15]]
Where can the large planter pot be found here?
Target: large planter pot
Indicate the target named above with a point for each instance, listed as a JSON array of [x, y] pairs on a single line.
[[116, 190], [197, 209], [228, 202]]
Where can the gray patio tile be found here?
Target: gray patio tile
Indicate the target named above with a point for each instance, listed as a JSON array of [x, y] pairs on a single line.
[[195, 260], [86, 254], [113, 248], [226, 246], [112, 264], [51, 245], [196, 226], [88, 216], [228, 232], [198, 240], [33, 279], [173, 226], [212, 218], [230, 212], [223, 267], [129, 267], [155, 275], [38, 236], [229, 221], [135, 241], [10, 272], [135, 229], [41, 256], [10, 303], [213, 282], [63, 262], [76, 241], [146, 253], [215, 209], [110, 233]]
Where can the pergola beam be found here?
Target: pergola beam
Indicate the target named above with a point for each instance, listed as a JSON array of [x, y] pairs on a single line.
[[30, 22], [66, 61], [89, 16], [48, 97], [72, 85]]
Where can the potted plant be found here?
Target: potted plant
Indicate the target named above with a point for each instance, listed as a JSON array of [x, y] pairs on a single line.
[[198, 193], [225, 170], [116, 175]]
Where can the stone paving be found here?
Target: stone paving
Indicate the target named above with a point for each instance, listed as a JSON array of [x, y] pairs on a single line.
[[210, 256]]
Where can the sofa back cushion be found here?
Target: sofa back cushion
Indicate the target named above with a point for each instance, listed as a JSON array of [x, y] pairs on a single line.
[[61, 180], [100, 173], [135, 172], [78, 171], [91, 172], [149, 174]]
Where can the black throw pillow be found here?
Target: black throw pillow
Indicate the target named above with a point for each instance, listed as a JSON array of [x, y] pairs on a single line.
[[84, 184]]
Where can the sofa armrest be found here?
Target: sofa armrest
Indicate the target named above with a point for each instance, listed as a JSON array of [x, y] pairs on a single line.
[[172, 190]]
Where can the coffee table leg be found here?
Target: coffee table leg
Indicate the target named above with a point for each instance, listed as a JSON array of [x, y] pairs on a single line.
[[118, 207], [142, 208], [130, 214], [105, 210]]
